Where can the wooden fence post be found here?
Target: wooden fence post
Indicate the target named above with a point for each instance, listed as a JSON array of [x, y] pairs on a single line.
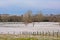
[[40, 33], [37, 32], [49, 33], [53, 35], [57, 35]]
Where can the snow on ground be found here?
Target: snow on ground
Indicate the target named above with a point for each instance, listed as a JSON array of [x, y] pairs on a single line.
[[18, 27]]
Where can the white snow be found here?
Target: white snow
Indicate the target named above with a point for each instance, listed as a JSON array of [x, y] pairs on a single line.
[[18, 27]]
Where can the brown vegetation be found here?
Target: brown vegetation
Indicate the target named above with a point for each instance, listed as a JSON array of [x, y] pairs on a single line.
[[28, 17]]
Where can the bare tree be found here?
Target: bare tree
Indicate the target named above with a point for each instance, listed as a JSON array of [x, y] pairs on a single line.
[[39, 17], [27, 17]]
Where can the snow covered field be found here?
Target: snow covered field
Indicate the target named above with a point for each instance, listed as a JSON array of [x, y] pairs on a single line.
[[18, 27]]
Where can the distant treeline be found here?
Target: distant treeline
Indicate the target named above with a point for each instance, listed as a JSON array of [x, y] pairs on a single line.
[[30, 17]]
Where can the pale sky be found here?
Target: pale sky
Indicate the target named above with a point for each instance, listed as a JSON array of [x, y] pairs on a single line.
[[18, 6]]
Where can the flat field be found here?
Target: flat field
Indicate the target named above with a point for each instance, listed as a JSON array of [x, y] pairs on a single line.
[[27, 37], [31, 31], [18, 27]]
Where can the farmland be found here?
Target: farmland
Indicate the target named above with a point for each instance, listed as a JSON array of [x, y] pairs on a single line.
[[27, 37], [18, 27], [31, 31]]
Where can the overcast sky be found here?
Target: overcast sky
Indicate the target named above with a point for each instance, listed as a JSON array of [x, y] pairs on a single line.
[[18, 6]]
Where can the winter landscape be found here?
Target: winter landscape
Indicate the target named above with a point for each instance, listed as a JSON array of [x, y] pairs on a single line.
[[29, 19], [31, 31], [18, 27]]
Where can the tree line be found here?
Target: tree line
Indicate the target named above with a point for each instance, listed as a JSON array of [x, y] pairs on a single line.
[[30, 17]]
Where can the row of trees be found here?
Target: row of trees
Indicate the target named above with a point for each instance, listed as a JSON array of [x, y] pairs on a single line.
[[30, 17]]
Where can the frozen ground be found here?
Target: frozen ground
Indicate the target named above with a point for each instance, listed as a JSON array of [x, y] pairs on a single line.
[[18, 27]]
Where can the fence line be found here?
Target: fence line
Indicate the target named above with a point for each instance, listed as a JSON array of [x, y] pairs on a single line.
[[36, 33], [42, 34]]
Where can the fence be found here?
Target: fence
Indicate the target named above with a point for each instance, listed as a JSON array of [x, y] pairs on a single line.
[[43, 35]]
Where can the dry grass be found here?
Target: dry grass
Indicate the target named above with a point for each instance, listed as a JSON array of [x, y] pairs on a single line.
[[26, 37]]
